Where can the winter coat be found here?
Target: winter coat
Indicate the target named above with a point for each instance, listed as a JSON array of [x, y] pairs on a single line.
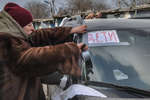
[[23, 60]]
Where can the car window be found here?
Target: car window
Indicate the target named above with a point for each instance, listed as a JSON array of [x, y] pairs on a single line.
[[126, 65]]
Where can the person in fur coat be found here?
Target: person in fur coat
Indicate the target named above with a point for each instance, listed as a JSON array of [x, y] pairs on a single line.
[[27, 54]]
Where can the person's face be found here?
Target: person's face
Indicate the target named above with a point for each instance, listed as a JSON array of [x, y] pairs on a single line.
[[28, 28]]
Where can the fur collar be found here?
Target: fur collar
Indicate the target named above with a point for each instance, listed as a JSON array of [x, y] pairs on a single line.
[[9, 25]]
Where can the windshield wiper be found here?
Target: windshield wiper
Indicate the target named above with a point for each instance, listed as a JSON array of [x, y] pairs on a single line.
[[132, 90]]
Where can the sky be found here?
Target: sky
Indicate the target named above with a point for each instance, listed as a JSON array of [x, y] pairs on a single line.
[[58, 2], [23, 2]]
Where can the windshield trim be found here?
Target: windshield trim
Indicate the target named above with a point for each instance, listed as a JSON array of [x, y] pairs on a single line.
[[119, 87]]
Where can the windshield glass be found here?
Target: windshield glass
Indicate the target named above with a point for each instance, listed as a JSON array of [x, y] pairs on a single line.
[[126, 65]]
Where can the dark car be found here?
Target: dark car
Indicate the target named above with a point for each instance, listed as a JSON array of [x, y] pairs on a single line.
[[118, 59]]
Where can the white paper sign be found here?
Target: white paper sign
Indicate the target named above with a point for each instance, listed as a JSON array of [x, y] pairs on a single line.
[[78, 89], [103, 37]]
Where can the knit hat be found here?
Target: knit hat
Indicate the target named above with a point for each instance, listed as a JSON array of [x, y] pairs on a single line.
[[21, 15]]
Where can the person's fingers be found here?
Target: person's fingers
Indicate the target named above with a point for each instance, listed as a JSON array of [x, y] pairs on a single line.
[[85, 26], [84, 31], [82, 47], [81, 29]]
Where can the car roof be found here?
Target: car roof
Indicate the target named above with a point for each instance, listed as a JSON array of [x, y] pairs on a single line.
[[94, 24]]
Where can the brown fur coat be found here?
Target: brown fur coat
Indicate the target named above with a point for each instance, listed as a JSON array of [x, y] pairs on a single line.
[[23, 61]]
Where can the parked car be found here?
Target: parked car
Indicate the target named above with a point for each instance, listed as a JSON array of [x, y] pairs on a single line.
[[118, 59]]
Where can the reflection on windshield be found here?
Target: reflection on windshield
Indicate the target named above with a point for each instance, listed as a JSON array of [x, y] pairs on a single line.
[[123, 65]]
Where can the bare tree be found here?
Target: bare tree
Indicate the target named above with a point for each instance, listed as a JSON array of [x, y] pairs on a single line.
[[38, 9], [125, 3], [142, 1], [62, 11], [131, 3], [97, 6], [77, 6]]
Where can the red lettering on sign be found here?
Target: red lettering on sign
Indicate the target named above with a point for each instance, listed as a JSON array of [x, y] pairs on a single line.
[[103, 37], [104, 33], [91, 38], [97, 38], [112, 36]]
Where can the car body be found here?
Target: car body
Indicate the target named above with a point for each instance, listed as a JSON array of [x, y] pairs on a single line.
[[119, 68]]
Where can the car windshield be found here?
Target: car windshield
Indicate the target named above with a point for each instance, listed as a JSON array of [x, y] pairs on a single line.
[[125, 64]]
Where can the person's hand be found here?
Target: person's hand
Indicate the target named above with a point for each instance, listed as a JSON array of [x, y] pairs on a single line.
[[82, 47], [79, 29], [90, 16]]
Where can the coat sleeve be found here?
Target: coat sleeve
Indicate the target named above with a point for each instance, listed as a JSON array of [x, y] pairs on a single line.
[[45, 60], [25, 60], [50, 36]]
